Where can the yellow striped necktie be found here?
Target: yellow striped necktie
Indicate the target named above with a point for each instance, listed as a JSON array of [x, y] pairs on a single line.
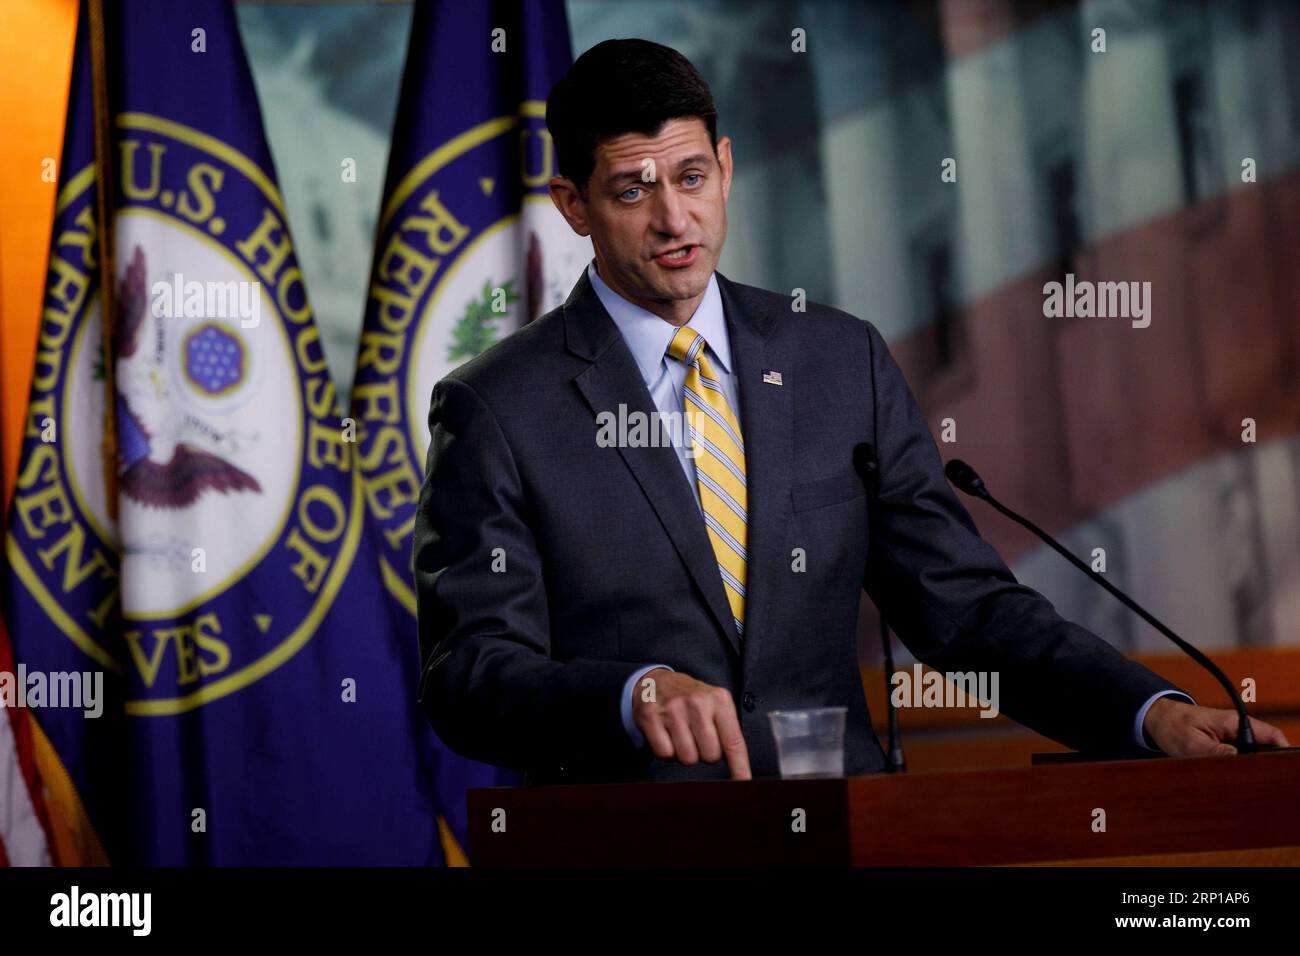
[[719, 464]]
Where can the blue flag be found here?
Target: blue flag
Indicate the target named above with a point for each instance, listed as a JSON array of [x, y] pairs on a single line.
[[469, 249], [216, 569]]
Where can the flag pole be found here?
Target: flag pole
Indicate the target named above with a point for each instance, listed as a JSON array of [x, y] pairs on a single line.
[[103, 124]]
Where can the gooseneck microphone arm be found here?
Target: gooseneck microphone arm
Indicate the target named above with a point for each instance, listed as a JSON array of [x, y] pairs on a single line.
[[864, 463], [966, 479]]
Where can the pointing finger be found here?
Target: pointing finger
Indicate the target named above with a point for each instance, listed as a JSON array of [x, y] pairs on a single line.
[[733, 742]]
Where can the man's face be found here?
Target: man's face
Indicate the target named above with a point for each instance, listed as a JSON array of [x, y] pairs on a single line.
[[649, 196]]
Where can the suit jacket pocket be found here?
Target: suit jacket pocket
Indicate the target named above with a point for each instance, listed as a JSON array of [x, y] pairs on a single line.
[[826, 491]]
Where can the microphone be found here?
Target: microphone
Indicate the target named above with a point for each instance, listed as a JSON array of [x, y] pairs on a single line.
[[864, 463], [967, 479]]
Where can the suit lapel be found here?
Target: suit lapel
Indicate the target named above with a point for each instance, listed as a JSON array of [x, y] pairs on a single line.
[[767, 426], [766, 413]]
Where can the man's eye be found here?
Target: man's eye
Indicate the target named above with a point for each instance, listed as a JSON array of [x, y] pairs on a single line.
[[624, 193], [693, 176]]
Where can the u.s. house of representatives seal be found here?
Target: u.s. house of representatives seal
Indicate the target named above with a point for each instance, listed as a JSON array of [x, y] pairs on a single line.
[[239, 510]]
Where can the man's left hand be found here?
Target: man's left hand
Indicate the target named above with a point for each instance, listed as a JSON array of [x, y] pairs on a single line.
[[1181, 729]]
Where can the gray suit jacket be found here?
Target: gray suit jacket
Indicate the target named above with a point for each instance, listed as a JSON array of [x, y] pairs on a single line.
[[549, 568]]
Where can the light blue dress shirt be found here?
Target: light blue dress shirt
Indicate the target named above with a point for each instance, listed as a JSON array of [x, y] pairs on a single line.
[[647, 337]]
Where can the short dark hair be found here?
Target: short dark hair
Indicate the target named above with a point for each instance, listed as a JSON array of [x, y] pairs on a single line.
[[619, 87]]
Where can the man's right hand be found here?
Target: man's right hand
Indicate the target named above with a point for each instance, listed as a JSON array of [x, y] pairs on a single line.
[[690, 721]]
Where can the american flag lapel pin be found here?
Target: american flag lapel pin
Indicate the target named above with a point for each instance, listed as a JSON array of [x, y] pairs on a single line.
[[771, 377]]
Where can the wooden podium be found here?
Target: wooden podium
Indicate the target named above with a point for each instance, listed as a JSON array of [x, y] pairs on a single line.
[[1242, 810]]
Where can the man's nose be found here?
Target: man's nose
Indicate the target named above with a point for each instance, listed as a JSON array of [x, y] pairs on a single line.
[[670, 217]]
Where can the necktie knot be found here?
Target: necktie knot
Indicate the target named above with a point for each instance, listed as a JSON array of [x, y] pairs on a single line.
[[685, 345]]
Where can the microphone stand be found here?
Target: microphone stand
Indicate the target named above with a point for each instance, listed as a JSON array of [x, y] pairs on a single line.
[[968, 480], [864, 462]]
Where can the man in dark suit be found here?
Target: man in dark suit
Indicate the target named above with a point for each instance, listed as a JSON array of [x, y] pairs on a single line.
[[596, 605]]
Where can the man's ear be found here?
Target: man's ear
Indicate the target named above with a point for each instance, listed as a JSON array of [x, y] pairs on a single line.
[[565, 196], [724, 162]]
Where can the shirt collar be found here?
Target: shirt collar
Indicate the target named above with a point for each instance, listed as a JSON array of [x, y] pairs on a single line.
[[647, 335]]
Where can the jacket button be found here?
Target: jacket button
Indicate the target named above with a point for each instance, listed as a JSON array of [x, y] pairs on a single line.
[[748, 700]]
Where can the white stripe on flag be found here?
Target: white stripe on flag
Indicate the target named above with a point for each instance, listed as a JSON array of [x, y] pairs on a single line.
[[24, 840]]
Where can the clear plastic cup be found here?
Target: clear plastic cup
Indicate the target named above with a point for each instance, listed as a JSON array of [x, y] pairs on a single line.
[[809, 743]]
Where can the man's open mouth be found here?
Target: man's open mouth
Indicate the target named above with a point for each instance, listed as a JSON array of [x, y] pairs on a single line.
[[681, 256]]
